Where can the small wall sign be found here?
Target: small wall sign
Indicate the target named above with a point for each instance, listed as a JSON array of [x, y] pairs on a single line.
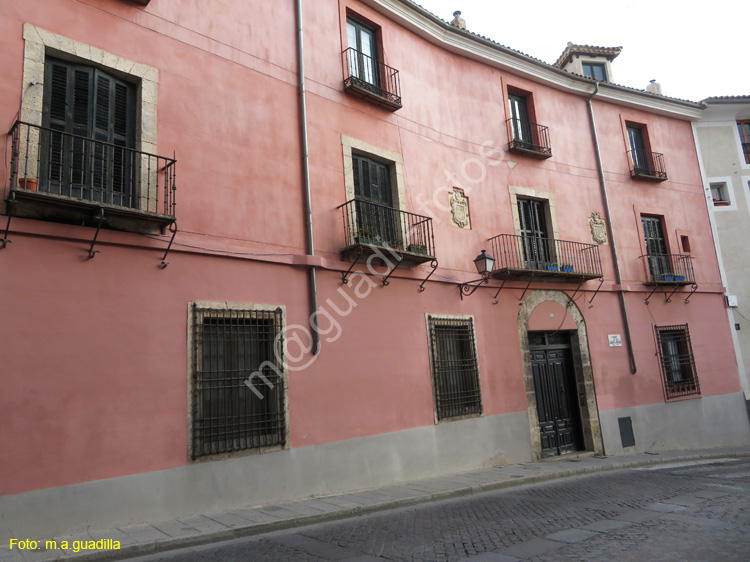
[[615, 340]]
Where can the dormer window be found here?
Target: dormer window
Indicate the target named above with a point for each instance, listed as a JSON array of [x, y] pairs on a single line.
[[595, 70]]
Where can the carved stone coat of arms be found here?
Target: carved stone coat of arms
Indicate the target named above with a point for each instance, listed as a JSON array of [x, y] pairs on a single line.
[[598, 228], [459, 209]]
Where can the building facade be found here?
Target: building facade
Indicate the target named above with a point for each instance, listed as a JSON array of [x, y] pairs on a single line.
[[723, 141], [228, 282]]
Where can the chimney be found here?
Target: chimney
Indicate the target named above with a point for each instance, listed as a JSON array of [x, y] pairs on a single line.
[[654, 87], [458, 21]]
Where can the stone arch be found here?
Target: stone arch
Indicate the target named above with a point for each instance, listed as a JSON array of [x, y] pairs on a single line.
[[592, 434]]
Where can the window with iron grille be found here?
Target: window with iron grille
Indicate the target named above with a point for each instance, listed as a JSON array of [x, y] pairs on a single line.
[[238, 382], [677, 360], [455, 373]]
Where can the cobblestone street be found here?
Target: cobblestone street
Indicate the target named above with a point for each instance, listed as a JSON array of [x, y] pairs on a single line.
[[689, 511]]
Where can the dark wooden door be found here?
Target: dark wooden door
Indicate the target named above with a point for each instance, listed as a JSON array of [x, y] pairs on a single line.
[[556, 398], [535, 245], [377, 221], [656, 247]]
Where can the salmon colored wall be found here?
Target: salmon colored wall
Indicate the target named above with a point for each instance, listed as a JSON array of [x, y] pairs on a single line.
[[95, 351]]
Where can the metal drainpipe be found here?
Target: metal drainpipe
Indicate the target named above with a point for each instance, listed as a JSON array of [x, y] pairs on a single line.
[[623, 307], [306, 175]]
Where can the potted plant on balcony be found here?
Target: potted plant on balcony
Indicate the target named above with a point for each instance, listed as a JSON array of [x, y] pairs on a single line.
[[567, 268], [418, 249], [27, 183], [551, 267], [366, 235]]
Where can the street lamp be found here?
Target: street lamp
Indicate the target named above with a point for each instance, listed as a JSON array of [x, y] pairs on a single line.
[[484, 263]]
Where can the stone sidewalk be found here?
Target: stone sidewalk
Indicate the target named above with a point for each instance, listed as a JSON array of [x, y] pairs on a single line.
[[148, 538]]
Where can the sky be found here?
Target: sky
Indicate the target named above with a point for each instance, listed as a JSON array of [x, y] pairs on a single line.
[[694, 50]]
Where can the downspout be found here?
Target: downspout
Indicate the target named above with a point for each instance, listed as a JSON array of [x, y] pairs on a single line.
[[618, 275], [306, 179]]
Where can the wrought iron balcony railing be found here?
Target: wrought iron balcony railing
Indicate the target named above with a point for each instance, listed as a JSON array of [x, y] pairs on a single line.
[[368, 78], [647, 165], [528, 138], [669, 269], [746, 151], [518, 255], [73, 167], [370, 225]]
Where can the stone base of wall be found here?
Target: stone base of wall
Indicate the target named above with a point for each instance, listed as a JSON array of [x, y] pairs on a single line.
[[712, 421], [253, 480]]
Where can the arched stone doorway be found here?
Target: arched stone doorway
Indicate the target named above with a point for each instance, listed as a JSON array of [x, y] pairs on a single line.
[[556, 314]]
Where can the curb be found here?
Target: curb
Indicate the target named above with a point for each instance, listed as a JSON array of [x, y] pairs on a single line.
[[345, 513]]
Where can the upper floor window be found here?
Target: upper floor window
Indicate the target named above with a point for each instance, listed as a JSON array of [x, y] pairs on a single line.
[[677, 360], [720, 194], [367, 76], [364, 52], [744, 129], [595, 70], [645, 164], [87, 149], [526, 136]]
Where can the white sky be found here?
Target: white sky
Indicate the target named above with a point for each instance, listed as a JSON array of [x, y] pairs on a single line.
[[693, 49]]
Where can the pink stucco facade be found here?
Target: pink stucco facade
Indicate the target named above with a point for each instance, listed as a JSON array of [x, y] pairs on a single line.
[[95, 352]]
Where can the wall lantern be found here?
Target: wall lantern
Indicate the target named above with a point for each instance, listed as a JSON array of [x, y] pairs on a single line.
[[484, 263]]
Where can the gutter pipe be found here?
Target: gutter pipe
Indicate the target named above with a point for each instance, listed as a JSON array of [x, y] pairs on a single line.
[[618, 275], [306, 180]]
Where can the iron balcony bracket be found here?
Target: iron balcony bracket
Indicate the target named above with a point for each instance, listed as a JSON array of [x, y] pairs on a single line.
[[572, 300], [494, 299], [99, 220], [385, 279], [651, 294], [173, 229], [467, 288], [668, 297], [601, 282], [357, 254], [433, 265], [10, 202], [695, 288], [527, 287]]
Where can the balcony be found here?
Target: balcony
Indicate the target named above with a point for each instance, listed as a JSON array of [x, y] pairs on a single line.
[[68, 178], [528, 138], [369, 79], [371, 227], [544, 258], [669, 269], [647, 165]]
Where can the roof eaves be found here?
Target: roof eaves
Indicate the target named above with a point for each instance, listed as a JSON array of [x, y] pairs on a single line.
[[513, 52]]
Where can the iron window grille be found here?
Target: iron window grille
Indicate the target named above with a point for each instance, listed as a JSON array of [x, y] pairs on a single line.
[[231, 347], [677, 360], [455, 372]]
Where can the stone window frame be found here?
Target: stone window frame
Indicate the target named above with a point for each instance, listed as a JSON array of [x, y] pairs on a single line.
[[40, 43], [433, 319], [529, 193], [394, 161], [218, 306]]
